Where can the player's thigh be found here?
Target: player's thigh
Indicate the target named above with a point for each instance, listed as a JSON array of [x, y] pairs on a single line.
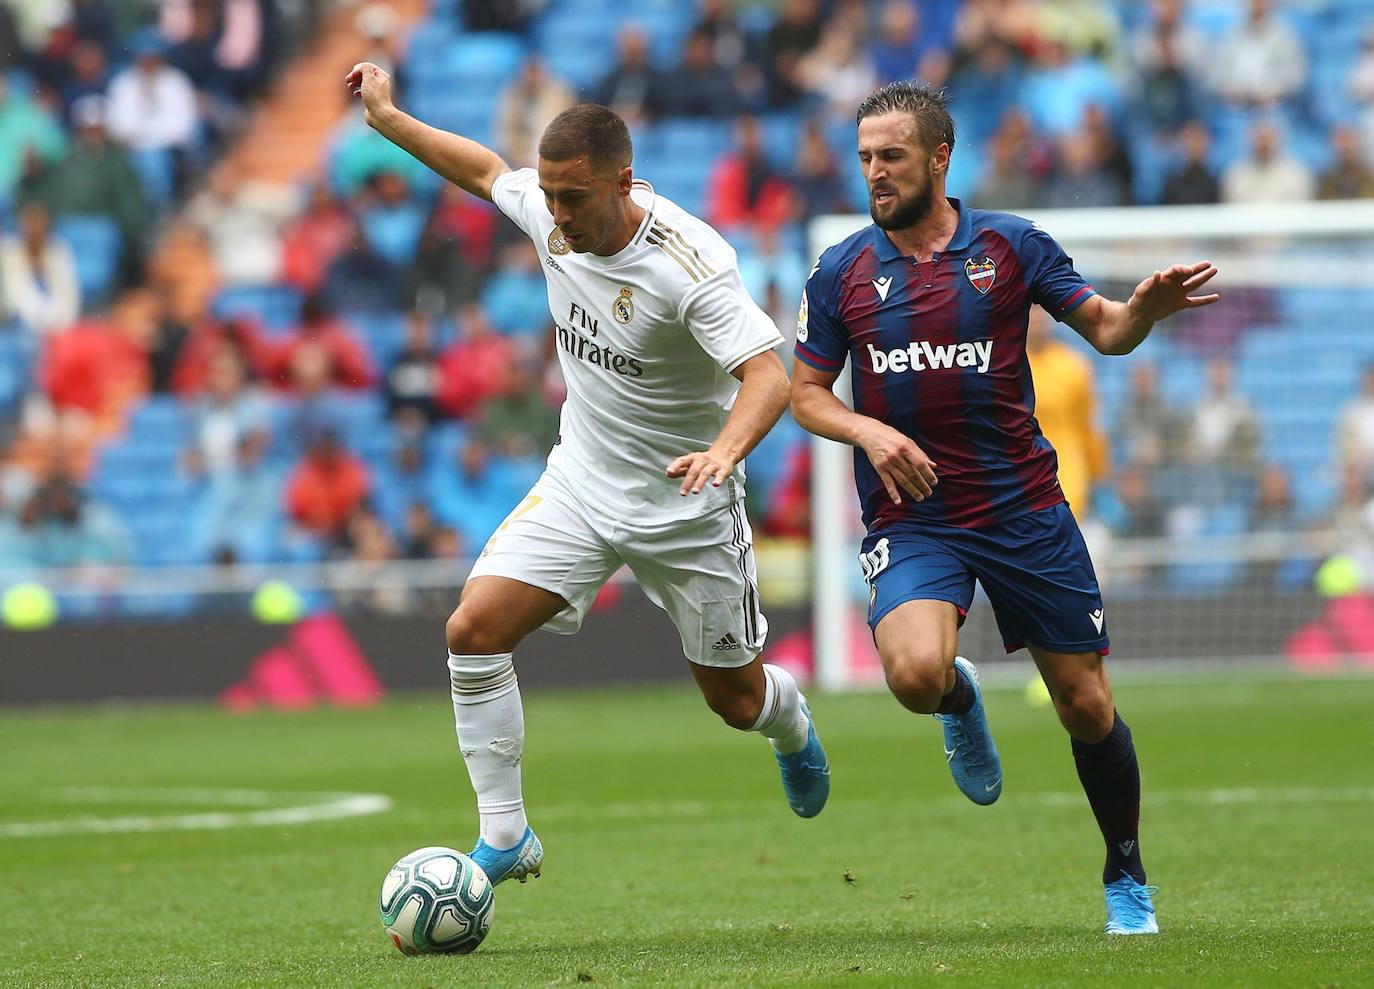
[[918, 592], [495, 613], [550, 543], [1040, 579], [702, 573]]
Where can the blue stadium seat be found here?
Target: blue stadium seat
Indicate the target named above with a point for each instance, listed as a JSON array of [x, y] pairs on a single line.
[[276, 307], [95, 242]]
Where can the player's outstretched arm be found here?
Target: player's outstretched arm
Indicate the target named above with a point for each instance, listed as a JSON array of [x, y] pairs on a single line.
[[760, 402], [1120, 327], [900, 463], [467, 164]]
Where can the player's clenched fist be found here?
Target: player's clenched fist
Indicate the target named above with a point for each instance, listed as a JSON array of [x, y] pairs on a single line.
[[900, 463], [372, 85], [696, 469]]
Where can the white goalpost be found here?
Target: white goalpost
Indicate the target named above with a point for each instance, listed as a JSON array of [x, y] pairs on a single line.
[[1221, 579]]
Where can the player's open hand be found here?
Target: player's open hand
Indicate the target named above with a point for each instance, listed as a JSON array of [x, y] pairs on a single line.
[[1166, 292], [696, 469], [900, 463], [372, 85]]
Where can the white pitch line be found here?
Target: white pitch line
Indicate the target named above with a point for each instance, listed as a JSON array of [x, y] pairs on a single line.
[[322, 807]]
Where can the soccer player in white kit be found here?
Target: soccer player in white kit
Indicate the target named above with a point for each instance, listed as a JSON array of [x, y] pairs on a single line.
[[672, 379]]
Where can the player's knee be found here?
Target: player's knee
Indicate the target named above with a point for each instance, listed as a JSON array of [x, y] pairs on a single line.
[[469, 633], [1085, 708], [917, 679], [739, 710]]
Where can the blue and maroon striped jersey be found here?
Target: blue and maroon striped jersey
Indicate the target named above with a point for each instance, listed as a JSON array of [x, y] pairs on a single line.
[[938, 351]]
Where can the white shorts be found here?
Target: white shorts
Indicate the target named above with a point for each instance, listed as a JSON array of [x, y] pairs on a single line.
[[700, 571]]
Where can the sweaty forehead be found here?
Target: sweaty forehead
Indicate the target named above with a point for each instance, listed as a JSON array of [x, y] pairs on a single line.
[[888, 130]]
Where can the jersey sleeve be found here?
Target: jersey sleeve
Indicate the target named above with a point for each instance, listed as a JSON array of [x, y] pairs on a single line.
[[517, 194], [1053, 282], [822, 340], [726, 322]]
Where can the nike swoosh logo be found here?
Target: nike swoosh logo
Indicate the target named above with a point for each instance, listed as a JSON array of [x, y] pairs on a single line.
[[949, 753], [993, 785]]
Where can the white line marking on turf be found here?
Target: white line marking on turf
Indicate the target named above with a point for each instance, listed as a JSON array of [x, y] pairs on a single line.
[[307, 809], [1223, 797]]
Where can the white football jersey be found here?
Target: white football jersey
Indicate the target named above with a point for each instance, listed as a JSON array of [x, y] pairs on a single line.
[[647, 339]]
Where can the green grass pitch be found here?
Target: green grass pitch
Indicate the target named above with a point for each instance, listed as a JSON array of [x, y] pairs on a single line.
[[672, 858]]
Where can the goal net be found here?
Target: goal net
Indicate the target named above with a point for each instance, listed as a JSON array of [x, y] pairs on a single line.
[[1231, 519]]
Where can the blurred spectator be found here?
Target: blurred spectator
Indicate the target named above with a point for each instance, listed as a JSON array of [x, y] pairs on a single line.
[[1082, 178], [499, 15], [1269, 175], [319, 329], [717, 21], [370, 547], [838, 71], [1348, 177], [1066, 408], [25, 130], [774, 274], [1223, 433], [896, 44], [628, 87], [519, 422], [315, 238], [360, 279], [1166, 93], [242, 221], [471, 495], [795, 31], [151, 105], [699, 86], [514, 297], [203, 335], [816, 182], [412, 381], [1273, 514], [1015, 169], [987, 80], [445, 273], [745, 189], [231, 424], [422, 538], [326, 487], [475, 367], [97, 177], [1168, 39], [1149, 433], [1262, 61], [1085, 27], [526, 107], [1193, 182], [89, 76], [10, 47], [89, 367], [402, 484], [61, 526], [1355, 427], [38, 282], [390, 218], [787, 514], [237, 507], [1061, 86], [1352, 516]]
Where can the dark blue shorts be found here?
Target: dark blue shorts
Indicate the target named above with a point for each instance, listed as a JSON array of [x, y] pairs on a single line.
[[1035, 570]]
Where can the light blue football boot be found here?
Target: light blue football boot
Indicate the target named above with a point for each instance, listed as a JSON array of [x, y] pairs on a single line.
[[520, 862], [969, 748], [806, 773], [1129, 908]]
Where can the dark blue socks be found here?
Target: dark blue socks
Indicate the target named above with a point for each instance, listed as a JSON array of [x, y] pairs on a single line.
[[1111, 778]]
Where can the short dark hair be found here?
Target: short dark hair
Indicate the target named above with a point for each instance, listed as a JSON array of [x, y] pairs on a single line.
[[588, 129], [926, 104]]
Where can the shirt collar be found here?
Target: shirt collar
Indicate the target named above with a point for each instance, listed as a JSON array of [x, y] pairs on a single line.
[[963, 235]]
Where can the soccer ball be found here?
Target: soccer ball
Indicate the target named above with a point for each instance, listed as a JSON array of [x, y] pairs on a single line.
[[436, 900]]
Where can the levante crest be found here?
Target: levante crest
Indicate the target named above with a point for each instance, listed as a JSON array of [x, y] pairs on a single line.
[[982, 272]]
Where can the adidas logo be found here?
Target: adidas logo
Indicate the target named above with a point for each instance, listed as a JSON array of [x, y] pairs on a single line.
[[726, 643]]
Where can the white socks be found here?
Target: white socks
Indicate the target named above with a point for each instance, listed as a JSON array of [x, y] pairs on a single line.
[[782, 720], [491, 736]]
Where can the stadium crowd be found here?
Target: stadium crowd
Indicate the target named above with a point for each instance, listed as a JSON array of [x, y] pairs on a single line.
[[375, 378]]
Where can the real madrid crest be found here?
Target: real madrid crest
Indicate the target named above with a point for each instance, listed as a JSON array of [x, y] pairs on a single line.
[[557, 245], [982, 272], [623, 308]]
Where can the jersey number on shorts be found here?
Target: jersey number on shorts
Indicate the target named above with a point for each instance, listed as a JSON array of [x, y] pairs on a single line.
[[520, 509]]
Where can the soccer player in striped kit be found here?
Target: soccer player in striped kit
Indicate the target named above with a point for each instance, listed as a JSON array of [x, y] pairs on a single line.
[[930, 305]]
